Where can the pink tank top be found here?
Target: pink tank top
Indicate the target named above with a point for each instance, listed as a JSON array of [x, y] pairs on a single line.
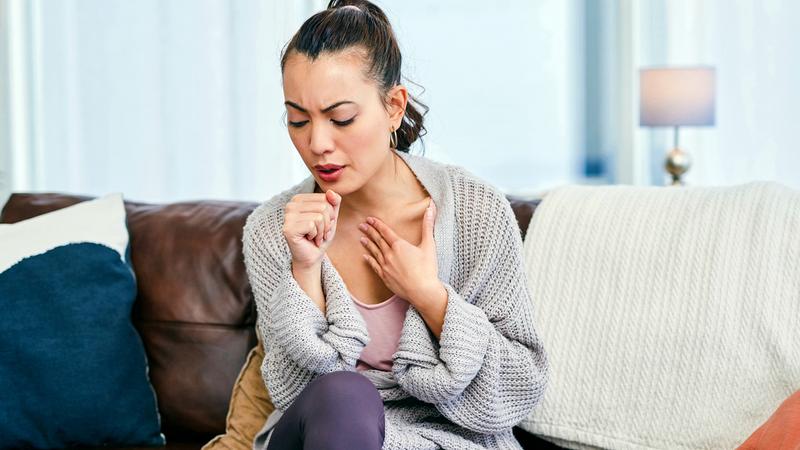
[[384, 324]]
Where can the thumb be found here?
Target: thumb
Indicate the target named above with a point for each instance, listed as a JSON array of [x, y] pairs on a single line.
[[335, 200], [427, 223]]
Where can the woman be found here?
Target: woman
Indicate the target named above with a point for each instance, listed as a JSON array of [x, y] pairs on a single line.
[[390, 288]]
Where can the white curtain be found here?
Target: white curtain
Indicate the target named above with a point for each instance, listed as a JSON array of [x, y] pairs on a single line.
[[160, 100], [168, 100], [755, 47]]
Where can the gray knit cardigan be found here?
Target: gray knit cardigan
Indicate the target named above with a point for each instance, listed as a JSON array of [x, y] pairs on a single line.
[[465, 391]]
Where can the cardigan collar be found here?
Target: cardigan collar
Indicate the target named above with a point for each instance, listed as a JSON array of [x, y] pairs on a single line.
[[435, 179]]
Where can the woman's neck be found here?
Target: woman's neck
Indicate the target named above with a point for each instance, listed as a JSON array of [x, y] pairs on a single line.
[[391, 189]]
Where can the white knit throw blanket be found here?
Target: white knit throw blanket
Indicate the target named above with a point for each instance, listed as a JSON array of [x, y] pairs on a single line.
[[671, 316]]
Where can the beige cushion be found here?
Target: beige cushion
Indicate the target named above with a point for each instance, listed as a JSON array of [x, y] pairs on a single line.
[[249, 407]]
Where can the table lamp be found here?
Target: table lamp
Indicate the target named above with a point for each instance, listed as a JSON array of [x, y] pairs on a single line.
[[676, 97]]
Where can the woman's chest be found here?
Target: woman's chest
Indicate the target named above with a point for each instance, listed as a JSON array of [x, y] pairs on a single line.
[[346, 254]]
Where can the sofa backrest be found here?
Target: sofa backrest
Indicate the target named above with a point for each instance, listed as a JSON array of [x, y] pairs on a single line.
[[194, 309]]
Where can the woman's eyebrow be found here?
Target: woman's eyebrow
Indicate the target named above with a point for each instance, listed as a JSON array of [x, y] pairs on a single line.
[[324, 110]]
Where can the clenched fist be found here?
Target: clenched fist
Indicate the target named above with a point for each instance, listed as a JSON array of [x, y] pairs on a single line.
[[309, 226]]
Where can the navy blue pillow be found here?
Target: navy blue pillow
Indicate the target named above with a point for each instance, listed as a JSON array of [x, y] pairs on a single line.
[[73, 370]]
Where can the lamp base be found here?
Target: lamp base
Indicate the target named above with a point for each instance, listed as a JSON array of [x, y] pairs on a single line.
[[677, 163]]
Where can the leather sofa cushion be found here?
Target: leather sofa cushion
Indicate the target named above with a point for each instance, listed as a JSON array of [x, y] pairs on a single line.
[[194, 308]]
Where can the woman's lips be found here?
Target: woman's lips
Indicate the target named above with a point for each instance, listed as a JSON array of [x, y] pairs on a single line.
[[331, 176]]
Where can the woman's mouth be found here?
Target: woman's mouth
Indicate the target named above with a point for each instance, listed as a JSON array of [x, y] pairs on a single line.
[[331, 174]]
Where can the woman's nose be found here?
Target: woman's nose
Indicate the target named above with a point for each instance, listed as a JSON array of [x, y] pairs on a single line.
[[321, 138]]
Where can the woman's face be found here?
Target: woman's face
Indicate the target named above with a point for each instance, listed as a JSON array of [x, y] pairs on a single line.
[[336, 116]]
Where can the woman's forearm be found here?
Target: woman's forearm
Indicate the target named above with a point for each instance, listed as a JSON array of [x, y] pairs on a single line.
[[431, 303], [310, 280]]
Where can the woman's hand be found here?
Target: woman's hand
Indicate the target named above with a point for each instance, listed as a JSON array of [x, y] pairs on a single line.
[[309, 226], [409, 271]]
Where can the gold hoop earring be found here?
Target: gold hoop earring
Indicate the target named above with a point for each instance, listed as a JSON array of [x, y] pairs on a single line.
[[393, 139]]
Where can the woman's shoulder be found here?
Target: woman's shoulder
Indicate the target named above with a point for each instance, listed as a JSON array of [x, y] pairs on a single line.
[[474, 191], [479, 204], [463, 181]]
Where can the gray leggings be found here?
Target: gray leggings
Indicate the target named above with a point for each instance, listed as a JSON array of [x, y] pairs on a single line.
[[337, 411]]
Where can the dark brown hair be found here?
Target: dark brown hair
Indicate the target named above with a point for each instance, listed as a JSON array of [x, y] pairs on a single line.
[[361, 25]]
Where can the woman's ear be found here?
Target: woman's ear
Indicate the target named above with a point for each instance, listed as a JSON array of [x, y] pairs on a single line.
[[397, 99]]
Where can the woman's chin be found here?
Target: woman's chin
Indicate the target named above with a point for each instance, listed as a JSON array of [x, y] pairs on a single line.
[[339, 187]]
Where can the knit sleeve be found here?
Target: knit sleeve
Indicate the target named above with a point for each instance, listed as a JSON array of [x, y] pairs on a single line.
[[489, 368], [300, 342]]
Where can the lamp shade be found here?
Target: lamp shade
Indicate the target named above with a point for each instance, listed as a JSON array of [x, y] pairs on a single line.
[[676, 97]]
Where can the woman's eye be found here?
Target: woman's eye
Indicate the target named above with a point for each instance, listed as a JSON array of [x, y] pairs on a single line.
[[336, 122], [344, 123]]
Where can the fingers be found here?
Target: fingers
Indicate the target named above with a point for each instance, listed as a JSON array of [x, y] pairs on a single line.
[[313, 225], [385, 231], [305, 206], [374, 264], [373, 249], [375, 237], [313, 215]]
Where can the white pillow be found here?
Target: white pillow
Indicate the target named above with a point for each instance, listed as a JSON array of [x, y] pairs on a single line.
[[670, 315], [101, 221]]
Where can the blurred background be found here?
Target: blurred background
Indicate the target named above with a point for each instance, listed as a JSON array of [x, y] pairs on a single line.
[[170, 100]]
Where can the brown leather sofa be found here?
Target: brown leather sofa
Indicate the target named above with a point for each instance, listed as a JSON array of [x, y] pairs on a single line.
[[195, 309]]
